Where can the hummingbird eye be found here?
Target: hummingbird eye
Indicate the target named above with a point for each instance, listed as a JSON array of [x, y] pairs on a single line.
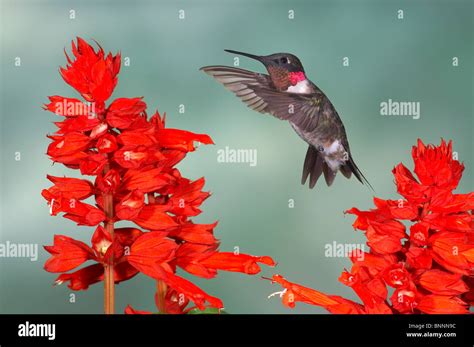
[[284, 60]]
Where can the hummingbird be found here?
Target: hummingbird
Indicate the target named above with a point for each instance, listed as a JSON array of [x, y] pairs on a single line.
[[286, 93]]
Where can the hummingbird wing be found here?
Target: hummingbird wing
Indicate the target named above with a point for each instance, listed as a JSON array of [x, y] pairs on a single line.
[[305, 111], [259, 93]]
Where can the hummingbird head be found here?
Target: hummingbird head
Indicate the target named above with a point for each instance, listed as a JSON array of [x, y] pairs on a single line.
[[285, 69]]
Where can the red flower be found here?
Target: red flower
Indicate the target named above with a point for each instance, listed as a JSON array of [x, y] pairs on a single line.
[[435, 166], [236, 262], [67, 254], [150, 250], [67, 107], [106, 144], [404, 300], [191, 291], [70, 188], [67, 144], [130, 206], [181, 139], [431, 268], [155, 217], [396, 276], [187, 197], [437, 304], [419, 258], [92, 74], [443, 283], [205, 260], [454, 251], [195, 233], [146, 180], [123, 112], [293, 293], [419, 233], [132, 158]]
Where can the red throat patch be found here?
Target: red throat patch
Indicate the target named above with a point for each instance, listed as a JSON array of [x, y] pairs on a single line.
[[296, 77]]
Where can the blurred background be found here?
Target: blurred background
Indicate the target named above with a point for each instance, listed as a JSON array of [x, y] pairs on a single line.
[[409, 59]]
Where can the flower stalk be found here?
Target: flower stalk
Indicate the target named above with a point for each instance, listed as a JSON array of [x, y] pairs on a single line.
[[161, 289], [109, 282]]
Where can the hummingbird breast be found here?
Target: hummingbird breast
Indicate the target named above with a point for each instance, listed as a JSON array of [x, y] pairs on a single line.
[[302, 87]]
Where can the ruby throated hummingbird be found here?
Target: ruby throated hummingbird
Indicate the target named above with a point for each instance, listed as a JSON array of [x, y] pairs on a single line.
[[288, 94]]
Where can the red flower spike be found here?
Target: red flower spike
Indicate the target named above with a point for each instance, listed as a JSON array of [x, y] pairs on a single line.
[[132, 157], [431, 268]]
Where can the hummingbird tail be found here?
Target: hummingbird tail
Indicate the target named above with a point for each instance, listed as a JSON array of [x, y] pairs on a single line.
[[351, 165], [313, 167]]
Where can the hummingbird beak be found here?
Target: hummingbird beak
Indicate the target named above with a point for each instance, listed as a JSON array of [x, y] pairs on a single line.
[[252, 56]]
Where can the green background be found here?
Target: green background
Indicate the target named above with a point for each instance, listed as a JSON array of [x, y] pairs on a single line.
[[405, 60]]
